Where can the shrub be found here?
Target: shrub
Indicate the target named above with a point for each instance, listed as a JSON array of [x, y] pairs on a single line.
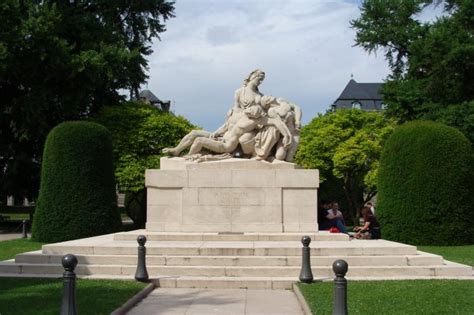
[[425, 182], [77, 193]]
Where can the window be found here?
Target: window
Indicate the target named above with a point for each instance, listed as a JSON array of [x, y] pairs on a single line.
[[356, 105]]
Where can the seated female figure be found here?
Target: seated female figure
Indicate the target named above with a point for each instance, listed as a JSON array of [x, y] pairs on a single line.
[[371, 228]]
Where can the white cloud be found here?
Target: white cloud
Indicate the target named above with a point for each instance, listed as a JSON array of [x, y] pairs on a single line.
[[305, 47]]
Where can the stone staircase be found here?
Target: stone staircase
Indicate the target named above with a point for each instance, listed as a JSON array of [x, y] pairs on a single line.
[[250, 260]]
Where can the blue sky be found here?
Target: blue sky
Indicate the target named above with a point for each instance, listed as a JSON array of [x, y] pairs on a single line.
[[304, 46]]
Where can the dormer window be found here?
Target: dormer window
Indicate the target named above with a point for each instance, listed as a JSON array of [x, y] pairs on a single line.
[[356, 105]]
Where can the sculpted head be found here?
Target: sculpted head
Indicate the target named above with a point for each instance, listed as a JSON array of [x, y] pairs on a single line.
[[254, 112], [257, 74], [266, 101]]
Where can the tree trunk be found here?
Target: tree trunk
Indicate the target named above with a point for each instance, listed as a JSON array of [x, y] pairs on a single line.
[[354, 196], [135, 206]]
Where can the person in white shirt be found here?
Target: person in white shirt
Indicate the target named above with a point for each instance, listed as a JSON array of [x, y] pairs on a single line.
[[334, 218]]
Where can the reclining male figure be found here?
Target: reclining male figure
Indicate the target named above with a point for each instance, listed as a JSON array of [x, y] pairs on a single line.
[[254, 116]]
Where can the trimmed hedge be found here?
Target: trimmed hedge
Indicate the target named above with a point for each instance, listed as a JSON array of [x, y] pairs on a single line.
[[425, 186], [77, 194]]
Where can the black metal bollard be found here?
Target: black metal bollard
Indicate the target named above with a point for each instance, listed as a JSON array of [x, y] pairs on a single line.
[[68, 304], [24, 225], [306, 275], [141, 274], [340, 268]]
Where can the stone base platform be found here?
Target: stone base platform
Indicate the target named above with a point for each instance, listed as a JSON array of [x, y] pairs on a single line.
[[234, 195], [248, 260]]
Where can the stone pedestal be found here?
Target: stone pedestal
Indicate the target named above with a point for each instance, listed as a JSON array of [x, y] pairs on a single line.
[[232, 195]]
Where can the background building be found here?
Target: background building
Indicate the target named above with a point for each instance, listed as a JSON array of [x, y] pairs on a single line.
[[148, 97], [364, 96]]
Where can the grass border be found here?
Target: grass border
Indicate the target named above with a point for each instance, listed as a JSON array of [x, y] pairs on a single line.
[[299, 296], [134, 300]]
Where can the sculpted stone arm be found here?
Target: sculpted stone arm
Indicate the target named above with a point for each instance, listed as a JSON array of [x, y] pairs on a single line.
[[298, 115], [282, 128], [237, 99], [220, 131]]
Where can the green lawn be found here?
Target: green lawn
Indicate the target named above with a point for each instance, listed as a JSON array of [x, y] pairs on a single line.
[[22, 296], [43, 296], [460, 254], [8, 249], [378, 297], [403, 297], [396, 297], [17, 216]]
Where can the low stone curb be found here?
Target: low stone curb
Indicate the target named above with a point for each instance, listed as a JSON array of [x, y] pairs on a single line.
[[134, 300], [301, 300]]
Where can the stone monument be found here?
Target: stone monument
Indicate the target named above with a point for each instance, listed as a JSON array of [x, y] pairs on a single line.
[[239, 178]]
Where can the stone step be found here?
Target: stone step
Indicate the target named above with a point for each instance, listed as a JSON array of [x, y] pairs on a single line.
[[169, 236], [449, 269], [267, 283], [275, 283], [287, 282], [225, 248], [230, 263], [410, 260]]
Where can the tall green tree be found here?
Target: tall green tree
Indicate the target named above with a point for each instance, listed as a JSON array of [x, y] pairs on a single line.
[[139, 132], [432, 62], [64, 60], [346, 145]]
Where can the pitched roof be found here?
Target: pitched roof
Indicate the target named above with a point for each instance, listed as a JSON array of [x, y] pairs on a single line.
[[361, 91], [147, 94]]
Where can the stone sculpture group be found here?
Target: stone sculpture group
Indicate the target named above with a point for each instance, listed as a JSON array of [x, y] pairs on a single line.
[[258, 126]]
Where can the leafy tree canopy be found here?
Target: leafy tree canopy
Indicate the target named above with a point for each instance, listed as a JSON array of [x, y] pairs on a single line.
[[432, 62], [64, 60], [139, 132], [346, 144]]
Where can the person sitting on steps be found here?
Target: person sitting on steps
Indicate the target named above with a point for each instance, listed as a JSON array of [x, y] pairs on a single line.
[[334, 218], [371, 228], [323, 208]]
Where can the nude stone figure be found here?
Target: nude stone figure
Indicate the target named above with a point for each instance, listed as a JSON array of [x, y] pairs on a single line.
[[265, 127], [232, 117], [254, 116], [245, 96]]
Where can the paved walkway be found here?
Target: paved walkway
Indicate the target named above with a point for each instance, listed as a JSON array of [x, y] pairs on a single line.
[[10, 236], [207, 302]]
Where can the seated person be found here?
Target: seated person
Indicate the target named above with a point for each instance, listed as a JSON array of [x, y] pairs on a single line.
[[371, 228], [323, 208], [371, 206], [333, 218]]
